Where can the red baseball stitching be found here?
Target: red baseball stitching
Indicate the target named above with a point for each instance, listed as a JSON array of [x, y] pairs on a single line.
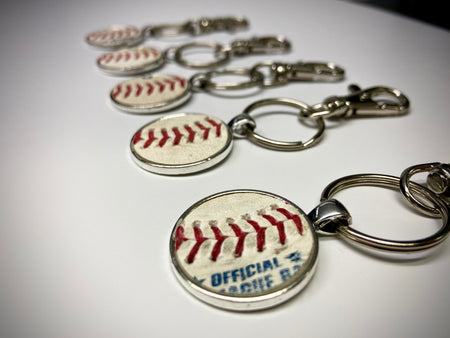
[[260, 231], [113, 34], [115, 57], [177, 134], [136, 88], [241, 238]]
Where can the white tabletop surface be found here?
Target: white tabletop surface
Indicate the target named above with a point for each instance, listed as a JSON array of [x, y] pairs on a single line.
[[84, 232]]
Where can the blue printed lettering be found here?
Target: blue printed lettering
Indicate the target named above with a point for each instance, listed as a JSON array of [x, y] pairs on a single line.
[[267, 265], [269, 281], [258, 267], [235, 275], [275, 262], [233, 289], [250, 272], [226, 276], [216, 279], [246, 288], [242, 273], [285, 274]]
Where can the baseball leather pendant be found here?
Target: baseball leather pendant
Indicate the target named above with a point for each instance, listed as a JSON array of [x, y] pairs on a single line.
[[244, 250], [117, 36], [181, 144], [131, 61], [152, 94]]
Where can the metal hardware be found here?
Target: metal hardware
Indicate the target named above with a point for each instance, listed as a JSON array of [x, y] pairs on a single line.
[[370, 102], [241, 125], [328, 216], [391, 182], [198, 27], [281, 73], [165, 30], [120, 36], [260, 45], [209, 25], [438, 181], [238, 124], [222, 54], [204, 82]]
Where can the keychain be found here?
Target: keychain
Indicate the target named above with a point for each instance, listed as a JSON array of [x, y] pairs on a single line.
[[163, 92], [182, 144], [144, 59], [122, 36], [246, 250]]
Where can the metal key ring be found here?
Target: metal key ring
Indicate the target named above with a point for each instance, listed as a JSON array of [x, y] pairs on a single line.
[[166, 30], [391, 182], [405, 183], [283, 145], [203, 81], [221, 53]]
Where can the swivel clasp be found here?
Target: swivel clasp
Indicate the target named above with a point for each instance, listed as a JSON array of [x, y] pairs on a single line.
[[261, 45], [370, 102]]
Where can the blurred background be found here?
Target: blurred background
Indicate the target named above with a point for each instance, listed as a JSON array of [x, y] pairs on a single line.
[[430, 12]]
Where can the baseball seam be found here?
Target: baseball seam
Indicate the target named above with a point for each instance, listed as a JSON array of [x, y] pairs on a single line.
[[188, 132], [114, 34], [240, 234], [136, 89], [127, 56]]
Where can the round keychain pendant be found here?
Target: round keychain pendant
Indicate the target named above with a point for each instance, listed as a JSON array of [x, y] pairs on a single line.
[[131, 61], [244, 250], [151, 94], [116, 36], [181, 144]]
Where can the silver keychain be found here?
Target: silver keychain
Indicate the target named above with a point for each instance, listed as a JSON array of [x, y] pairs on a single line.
[[144, 59], [163, 92], [246, 250], [124, 36], [183, 144]]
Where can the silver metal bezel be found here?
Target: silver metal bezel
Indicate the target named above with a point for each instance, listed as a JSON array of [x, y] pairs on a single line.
[[183, 169], [256, 301]]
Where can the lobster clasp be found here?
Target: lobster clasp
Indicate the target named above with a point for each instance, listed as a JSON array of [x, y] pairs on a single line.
[[311, 71], [261, 45], [208, 25], [370, 102]]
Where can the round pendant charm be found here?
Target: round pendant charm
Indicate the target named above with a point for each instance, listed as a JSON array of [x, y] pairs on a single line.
[[181, 144], [244, 250], [118, 36], [131, 61], [152, 94]]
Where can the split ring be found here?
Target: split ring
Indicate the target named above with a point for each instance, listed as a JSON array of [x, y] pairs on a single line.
[[410, 196], [221, 54], [283, 145], [206, 83], [391, 182]]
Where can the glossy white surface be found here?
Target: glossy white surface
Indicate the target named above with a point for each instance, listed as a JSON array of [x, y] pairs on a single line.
[[84, 232]]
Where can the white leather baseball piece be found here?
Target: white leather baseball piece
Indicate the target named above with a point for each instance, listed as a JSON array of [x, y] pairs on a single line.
[[153, 94], [117, 36], [181, 144], [244, 250], [131, 61]]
